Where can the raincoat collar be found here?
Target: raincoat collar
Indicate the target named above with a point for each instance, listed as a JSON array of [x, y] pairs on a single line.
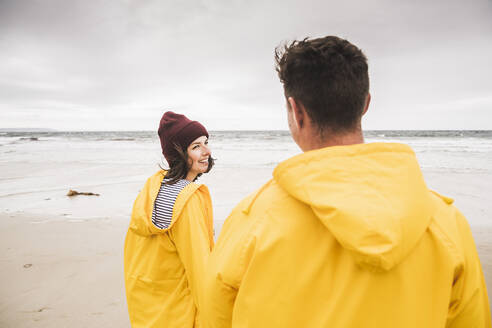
[[141, 220]]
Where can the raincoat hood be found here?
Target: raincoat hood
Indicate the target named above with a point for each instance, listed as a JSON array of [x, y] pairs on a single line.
[[141, 222], [371, 197]]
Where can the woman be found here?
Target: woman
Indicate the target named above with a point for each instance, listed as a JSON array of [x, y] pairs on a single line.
[[171, 231]]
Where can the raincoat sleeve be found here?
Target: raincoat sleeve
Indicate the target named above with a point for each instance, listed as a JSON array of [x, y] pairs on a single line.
[[469, 305], [193, 236], [220, 304], [221, 283], [228, 263]]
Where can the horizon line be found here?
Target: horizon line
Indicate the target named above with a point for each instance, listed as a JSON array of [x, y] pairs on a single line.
[[213, 130]]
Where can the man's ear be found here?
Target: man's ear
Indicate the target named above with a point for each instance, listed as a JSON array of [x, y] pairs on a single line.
[[298, 112], [368, 101]]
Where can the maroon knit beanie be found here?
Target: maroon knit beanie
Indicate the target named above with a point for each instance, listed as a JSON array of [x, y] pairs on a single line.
[[178, 129]]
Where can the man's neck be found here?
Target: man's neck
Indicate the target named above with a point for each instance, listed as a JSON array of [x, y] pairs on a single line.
[[330, 140]]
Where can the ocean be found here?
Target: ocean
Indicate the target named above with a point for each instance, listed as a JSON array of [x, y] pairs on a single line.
[[38, 168], [447, 150]]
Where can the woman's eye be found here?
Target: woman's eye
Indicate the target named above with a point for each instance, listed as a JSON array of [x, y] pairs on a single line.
[[196, 146]]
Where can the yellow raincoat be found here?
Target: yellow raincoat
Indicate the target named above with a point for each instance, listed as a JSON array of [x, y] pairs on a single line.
[[164, 268], [346, 236]]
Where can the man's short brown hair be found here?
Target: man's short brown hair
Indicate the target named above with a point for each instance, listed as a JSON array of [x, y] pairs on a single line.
[[329, 77]]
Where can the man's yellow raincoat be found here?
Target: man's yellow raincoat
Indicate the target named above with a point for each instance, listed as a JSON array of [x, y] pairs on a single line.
[[164, 268], [346, 236]]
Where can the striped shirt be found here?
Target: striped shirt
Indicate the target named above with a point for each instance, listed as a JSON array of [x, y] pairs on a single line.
[[164, 203]]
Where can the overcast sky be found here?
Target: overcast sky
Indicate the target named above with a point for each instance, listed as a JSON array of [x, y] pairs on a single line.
[[118, 65]]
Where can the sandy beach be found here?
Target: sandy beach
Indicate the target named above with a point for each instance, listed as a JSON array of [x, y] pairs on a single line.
[[64, 268], [61, 273], [62, 258]]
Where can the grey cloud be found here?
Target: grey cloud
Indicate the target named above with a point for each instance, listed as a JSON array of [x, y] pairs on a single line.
[[218, 55]]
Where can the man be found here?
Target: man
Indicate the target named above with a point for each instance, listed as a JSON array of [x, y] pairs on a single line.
[[346, 234]]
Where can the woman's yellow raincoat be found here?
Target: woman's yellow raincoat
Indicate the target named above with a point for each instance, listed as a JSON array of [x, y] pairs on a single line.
[[164, 268], [346, 237]]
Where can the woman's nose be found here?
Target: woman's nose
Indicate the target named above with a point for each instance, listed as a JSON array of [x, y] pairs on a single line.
[[206, 150]]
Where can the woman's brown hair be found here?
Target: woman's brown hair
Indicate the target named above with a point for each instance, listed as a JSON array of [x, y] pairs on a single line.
[[179, 167]]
